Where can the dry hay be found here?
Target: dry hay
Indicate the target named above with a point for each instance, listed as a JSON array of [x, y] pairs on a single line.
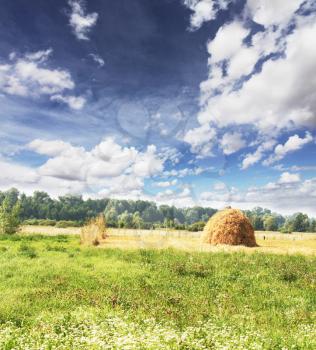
[[94, 231], [229, 226]]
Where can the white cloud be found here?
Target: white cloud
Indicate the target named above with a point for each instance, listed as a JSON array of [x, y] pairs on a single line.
[[49, 148], [187, 171], [74, 102], [287, 195], [277, 97], [252, 158], [227, 41], [39, 56], [171, 197], [28, 76], [98, 59], [267, 12], [293, 144], [280, 96], [232, 142], [12, 174], [201, 140], [288, 178], [81, 22], [167, 183], [204, 10], [106, 169]]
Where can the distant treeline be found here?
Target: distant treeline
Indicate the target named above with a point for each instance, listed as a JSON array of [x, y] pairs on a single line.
[[72, 210]]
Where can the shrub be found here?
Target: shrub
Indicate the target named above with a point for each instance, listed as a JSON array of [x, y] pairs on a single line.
[[94, 231], [31, 222], [65, 224], [28, 251], [9, 217], [197, 226], [47, 222]]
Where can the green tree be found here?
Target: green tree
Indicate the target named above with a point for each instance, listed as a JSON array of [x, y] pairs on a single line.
[[125, 220], [9, 217], [257, 222], [270, 223], [312, 226], [111, 217], [300, 222], [137, 221]]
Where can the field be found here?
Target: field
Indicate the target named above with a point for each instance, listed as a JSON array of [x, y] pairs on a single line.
[[58, 294]]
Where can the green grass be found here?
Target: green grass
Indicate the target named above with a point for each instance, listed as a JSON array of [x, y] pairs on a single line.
[[152, 299]]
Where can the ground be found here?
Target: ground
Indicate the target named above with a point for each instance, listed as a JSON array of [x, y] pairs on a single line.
[[58, 294], [269, 242]]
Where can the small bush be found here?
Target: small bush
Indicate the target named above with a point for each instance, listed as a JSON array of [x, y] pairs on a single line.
[[27, 251], [9, 217], [94, 231], [47, 222], [66, 224], [197, 226], [285, 230], [61, 249], [31, 222]]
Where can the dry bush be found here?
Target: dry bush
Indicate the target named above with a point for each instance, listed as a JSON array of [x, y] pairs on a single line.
[[229, 226], [94, 231]]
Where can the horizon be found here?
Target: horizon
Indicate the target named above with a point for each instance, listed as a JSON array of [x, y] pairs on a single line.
[[158, 204], [182, 102]]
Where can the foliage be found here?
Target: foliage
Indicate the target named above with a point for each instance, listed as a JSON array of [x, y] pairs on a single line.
[[72, 210], [9, 216], [270, 223], [67, 223], [197, 226]]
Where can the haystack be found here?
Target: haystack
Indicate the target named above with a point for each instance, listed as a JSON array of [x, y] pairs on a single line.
[[229, 226]]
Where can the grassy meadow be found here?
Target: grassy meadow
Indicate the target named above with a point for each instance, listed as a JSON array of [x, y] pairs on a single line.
[[58, 294]]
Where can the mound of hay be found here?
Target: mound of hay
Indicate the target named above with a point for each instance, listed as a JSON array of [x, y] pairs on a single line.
[[229, 226], [94, 231]]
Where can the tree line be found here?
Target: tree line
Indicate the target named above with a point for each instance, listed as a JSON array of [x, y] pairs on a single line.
[[72, 210]]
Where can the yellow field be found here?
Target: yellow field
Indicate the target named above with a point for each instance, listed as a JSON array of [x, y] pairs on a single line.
[[269, 242]]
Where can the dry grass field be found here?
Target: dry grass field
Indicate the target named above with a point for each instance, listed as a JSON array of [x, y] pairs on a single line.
[[269, 242]]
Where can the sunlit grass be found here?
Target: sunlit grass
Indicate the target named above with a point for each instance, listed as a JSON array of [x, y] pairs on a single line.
[[51, 282]]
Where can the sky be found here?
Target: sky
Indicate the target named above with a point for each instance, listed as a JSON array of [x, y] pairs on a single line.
[[182, 102]]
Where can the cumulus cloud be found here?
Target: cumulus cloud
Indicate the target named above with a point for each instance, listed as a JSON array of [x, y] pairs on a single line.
[[264, 78], [279, 96], [201, 140], [106, 169], [227, 42], [253, 158], [172, 197], [282, 196], [288, 178], [293, 144], [204, 10], [49, 148], [274, 12], [80, 21], [232, 142], [29, 76]]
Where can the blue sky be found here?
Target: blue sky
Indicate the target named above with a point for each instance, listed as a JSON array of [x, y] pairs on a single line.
[[184, 102]]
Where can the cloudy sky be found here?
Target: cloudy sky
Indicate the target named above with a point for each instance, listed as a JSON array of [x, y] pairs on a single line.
[[184, 102]]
